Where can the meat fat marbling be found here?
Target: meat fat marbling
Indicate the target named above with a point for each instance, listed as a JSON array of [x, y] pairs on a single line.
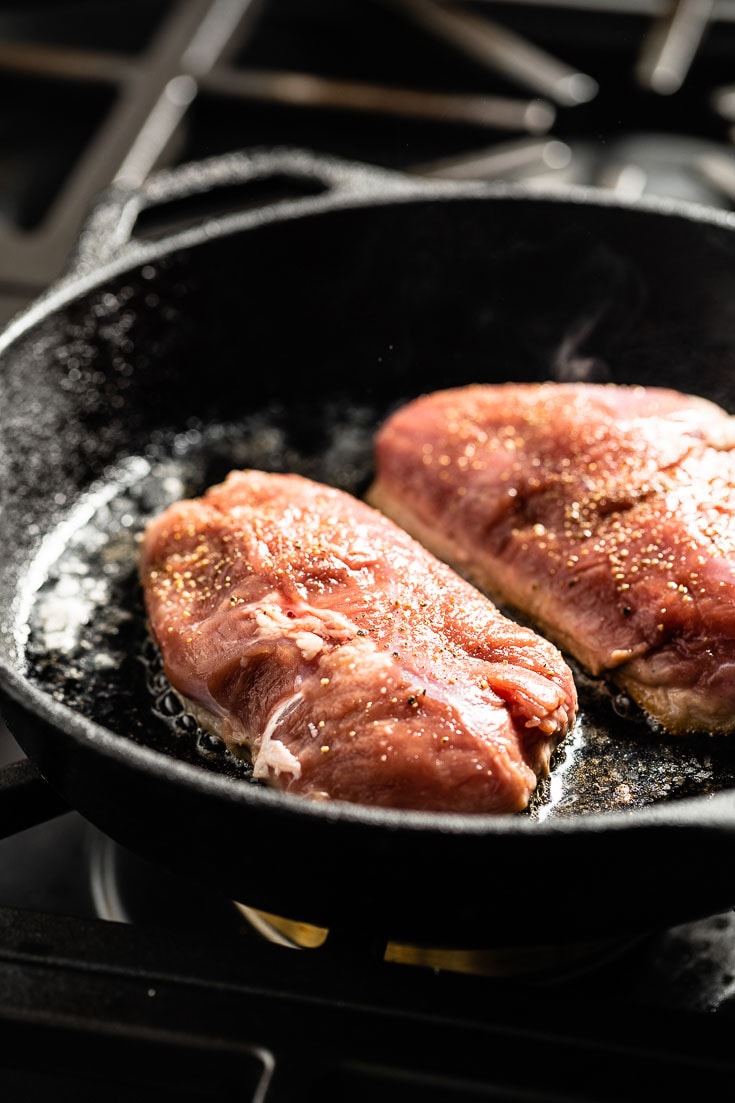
[[307, 628], [602, 514]]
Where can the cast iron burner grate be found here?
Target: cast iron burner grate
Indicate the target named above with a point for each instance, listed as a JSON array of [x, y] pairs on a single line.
[[183, 997], [637, 97]]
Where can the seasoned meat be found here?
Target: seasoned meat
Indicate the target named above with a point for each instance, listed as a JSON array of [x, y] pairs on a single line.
[[311, 631], [603, 514]]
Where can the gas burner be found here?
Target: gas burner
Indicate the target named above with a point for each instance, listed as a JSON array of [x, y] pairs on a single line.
[[690, 966], [127, 889], [631, 96], [534, 965]]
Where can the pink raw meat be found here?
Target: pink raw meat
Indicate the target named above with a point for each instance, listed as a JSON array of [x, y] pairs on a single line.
[[603, 515], [308, 629]]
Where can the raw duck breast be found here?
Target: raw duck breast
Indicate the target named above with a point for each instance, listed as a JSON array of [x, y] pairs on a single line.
[[602, 514], [306, 628]]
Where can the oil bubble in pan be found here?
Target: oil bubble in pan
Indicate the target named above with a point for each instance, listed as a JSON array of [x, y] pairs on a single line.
[[87, 644]]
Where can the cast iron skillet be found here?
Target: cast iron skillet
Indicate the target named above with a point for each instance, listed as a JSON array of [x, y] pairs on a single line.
[[278, 336]]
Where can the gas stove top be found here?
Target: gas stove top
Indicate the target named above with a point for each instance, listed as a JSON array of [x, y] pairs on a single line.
[[635, 97], [109, 962], [116, 976]]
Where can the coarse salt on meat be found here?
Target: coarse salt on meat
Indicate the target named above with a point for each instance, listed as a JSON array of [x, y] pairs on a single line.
[[603, 514], [306, 628]]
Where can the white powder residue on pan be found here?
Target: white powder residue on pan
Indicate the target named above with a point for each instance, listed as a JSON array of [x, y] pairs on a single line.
[[76, 541], [68, 605]]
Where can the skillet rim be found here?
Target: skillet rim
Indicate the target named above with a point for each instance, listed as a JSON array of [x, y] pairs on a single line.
[[355, 186]]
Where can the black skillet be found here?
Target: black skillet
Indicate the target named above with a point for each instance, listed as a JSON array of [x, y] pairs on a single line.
[[278, 336]]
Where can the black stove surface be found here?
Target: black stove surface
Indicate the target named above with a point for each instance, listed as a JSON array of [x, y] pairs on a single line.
[[108, 962], [117, 977], [177, 993], [634, 96]]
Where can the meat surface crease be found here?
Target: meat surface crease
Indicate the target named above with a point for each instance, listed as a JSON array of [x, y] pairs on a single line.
[[601, 514], [306, 628]]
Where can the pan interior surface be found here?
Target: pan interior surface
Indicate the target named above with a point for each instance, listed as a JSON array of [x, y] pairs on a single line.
[[84, 636], [155, 384]]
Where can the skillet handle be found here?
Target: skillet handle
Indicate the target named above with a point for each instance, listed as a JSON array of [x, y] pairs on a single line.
[[296, 177]]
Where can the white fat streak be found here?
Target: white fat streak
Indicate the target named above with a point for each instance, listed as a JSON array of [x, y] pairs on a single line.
[[308, 631], [272, 754]]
